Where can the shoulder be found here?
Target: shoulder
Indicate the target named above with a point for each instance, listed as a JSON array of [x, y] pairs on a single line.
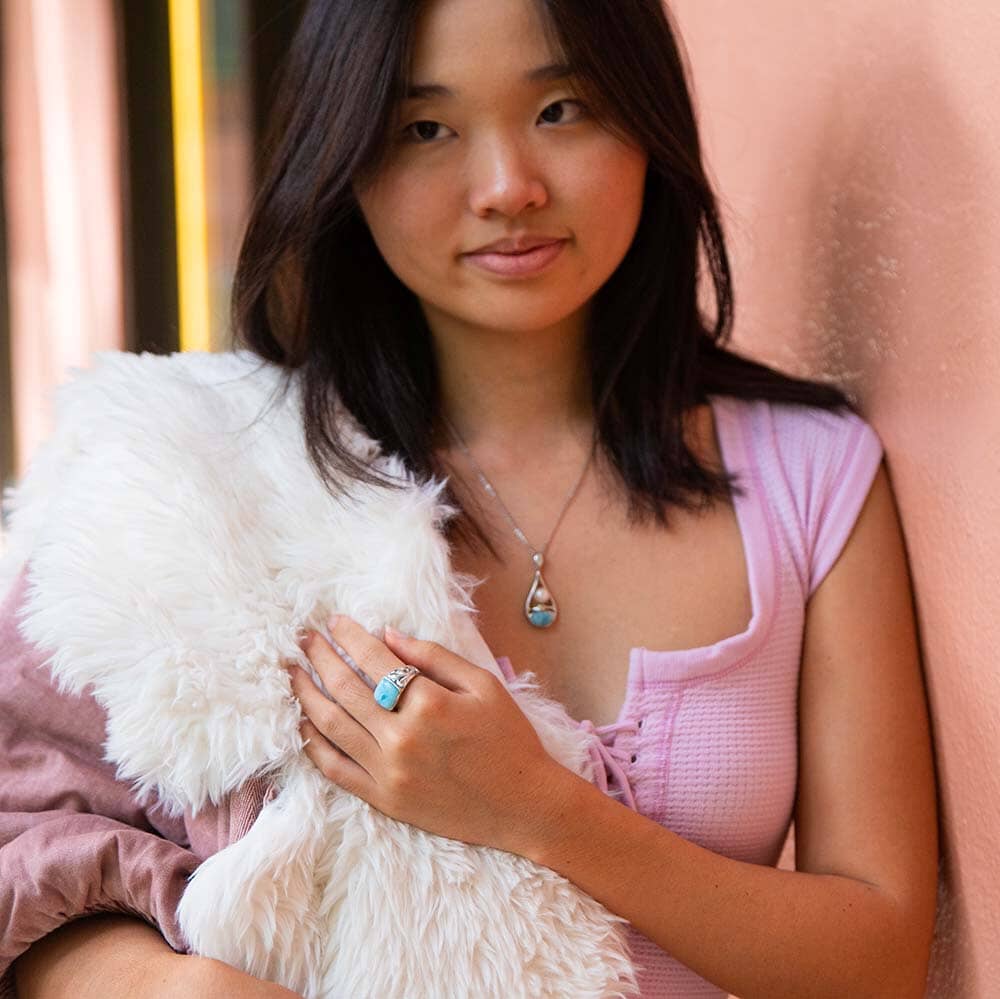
[[817, 466], [804, 434]]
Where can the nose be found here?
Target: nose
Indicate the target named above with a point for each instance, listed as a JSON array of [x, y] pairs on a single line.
[[505, 179]]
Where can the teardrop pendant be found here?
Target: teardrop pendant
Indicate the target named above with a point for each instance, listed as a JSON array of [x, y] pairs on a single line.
[[540, 606]]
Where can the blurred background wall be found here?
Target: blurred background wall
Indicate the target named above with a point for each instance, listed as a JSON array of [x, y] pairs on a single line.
[[856, 147], [856, 150], [62, 199], [129, 130]]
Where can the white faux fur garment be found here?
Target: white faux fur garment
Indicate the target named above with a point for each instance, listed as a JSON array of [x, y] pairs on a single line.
[[179, 542]]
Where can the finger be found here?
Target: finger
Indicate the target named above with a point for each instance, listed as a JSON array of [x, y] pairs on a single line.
[[438, 663], [341, 680], [376, 659], [335, 764], [362, 648], [331, 720]]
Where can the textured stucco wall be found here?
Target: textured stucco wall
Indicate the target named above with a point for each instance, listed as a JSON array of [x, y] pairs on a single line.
[[856, 147]]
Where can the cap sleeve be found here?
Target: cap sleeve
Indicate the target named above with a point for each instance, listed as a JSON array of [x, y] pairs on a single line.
[[819, 465], [844, 453]]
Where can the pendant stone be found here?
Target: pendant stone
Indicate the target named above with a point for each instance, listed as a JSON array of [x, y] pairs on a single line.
[[540, 606]]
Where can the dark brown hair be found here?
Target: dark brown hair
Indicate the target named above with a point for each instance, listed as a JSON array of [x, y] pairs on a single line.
[[313, 294]]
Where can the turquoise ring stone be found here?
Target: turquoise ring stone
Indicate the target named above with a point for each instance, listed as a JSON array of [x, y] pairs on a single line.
[[387, 694], [390, 688]]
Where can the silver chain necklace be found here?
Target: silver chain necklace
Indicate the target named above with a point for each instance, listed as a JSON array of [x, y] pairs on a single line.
[[540, 608]]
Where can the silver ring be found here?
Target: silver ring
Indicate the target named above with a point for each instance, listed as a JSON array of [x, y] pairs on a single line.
[[390, 688], [401, 676]]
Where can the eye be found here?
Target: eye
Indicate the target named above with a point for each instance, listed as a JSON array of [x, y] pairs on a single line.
[[559, 105], [422, 132]]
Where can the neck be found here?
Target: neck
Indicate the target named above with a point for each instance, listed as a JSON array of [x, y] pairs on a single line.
[[508, 392]]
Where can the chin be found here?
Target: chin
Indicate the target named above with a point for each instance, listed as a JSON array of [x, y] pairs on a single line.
[[527, 324], [519, 311]]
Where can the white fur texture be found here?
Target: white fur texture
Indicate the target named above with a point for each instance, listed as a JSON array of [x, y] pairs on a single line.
[[179, 542]]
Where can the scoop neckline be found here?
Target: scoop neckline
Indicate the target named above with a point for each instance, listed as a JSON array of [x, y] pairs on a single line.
[[678, 667]]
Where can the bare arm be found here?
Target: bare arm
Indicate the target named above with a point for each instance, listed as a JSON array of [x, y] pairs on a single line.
[[108, 956], [857, 916]]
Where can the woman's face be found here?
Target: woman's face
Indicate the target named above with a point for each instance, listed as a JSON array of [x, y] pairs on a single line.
[[503, 155]]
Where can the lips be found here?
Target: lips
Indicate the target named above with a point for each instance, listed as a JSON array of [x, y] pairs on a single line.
[[518, 244], [523, 264]]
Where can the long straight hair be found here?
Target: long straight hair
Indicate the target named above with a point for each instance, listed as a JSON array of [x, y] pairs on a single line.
[[313, 294]]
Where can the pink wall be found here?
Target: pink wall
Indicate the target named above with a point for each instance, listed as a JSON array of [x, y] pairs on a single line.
[[856, 146]]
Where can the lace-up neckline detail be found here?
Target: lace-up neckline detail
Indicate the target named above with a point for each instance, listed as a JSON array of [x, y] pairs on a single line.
[[607, 759], [610, 759]]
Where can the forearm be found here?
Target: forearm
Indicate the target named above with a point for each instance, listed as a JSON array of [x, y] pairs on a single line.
[[100, 956], [753, 930]]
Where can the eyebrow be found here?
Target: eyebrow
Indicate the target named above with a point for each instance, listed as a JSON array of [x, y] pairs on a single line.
[[553, 71]]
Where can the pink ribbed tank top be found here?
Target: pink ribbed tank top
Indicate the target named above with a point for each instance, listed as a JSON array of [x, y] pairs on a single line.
[[706, 739]]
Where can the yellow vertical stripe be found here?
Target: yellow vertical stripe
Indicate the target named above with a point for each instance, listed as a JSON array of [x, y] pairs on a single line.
[[189, 173]]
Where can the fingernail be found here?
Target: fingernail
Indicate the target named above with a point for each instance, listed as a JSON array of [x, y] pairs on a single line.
[[393, 633]]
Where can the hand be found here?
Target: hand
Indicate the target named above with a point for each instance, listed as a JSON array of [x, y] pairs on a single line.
[[457, 757]]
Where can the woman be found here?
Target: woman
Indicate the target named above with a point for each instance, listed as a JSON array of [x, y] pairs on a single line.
[[480, 233]]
